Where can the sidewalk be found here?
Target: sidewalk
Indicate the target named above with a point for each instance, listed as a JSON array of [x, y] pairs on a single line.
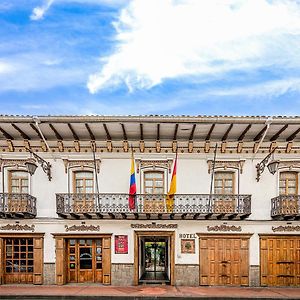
[[143, 292]]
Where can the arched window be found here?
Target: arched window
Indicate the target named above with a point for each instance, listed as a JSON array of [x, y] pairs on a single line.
[[288, 183], [224, 183], [154, 182], [83, 182], [18, 182]]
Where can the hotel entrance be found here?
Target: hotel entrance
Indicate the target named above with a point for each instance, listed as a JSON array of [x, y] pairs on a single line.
[[154, 258]]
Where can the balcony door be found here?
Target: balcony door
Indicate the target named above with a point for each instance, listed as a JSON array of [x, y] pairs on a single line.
[[224, 185], [288, 188], [17, 185], [154, 191], [83, 190]]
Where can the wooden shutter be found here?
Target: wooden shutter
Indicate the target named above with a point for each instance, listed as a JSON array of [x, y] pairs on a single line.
[[106, 257], [38, 255]]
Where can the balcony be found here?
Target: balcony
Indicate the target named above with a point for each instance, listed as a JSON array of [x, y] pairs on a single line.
[[186, 206], [286, 207], [17, 206]]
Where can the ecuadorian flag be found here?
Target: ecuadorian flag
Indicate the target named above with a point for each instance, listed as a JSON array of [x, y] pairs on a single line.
[[172, 190], [132, 188]]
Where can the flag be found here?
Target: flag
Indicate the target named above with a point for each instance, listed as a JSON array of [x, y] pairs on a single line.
[[132, 187], [172, 190]]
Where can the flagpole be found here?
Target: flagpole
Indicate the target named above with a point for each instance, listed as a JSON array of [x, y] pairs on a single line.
[[212, 176], [96, 176]]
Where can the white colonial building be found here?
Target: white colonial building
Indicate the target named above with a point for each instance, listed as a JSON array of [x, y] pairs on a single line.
[[233, 222]]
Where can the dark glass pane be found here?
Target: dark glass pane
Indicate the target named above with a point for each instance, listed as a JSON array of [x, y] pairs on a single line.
[[99, 265], [82, 242], [89, 242], [23, 266], [23, 255], [16, 248], [16, 241], [23, 241], [72, 257], [30, 262], [30, 269], [98, 242], [72, 250], [23, 249], [85, 258], [30, 255], [30, 249], [8, 241], [16, 255], [30, 241], [72, 242]]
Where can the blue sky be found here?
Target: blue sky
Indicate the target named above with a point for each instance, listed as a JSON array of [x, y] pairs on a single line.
[[229, 57]]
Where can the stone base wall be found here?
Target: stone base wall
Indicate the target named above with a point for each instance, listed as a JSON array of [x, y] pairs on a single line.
[[187, 275], [49, 273], [122, 274], [254, 275]]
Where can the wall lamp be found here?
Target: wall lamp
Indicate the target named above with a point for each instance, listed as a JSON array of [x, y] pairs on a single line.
[[272, 165], [31, 166]]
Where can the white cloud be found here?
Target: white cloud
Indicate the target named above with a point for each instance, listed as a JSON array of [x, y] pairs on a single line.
[[6, 67], [165, 39], [270, 88], [39, 11]]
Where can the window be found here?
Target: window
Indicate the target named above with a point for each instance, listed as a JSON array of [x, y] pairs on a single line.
[[224, 183], [83, 182], [18, 182], [154, 182], [288, 183]]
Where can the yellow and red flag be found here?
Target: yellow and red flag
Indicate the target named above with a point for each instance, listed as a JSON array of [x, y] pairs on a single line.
[[172, 190]]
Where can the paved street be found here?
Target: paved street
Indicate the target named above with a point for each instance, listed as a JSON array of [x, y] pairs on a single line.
[[145, 292]]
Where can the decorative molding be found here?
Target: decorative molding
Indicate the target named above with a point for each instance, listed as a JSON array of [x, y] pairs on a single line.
[[81, 163], [18, 227], [289, 164], [15, 162], [224, 228], [224, 164], [153, 225], [82, 228], [154, 164], [286, 228]]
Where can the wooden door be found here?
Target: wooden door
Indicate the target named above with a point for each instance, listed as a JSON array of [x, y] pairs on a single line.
[[84, 260], [280, 260], [224, 260]]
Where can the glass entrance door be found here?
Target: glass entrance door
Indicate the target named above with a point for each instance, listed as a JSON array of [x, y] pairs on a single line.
[[84, 260], [154, 259]]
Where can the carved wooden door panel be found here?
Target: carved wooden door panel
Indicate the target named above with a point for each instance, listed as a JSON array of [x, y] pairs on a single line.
[[85, 260], [224, 261], [280, 260]]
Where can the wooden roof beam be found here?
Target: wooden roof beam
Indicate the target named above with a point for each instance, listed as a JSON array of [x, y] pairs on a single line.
[[276, 135], [108, 137], [158, 132], [192, 133], [124, 132], [57, 135], [175, 132], [75, 136], [142, 132], [259, 135], [224, 138], [36, 130], [293, 135], [90, 132], [241, 137], [6, 135], [210, 132], [22, 133]]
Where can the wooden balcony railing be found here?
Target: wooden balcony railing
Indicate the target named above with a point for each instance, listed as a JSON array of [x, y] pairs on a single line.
[[186, 206], [286, 207], [17, 205]]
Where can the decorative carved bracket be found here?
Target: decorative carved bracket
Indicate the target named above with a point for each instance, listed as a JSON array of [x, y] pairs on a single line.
[[154, 164], [15, 162], [18, 227], [289, 164], [225, 164], [81, 163]]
